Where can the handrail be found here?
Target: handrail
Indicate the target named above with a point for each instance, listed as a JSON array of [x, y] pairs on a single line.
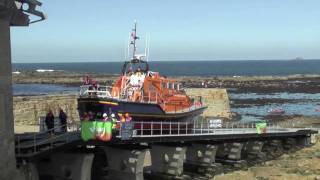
[[162, 128], [101, 91], [51, 138]]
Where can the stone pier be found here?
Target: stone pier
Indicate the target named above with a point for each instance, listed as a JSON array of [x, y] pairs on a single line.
[[252, 152], [273, 148], [200, 158], [167, 160], [124, 164], [305, 141], [231, 154]]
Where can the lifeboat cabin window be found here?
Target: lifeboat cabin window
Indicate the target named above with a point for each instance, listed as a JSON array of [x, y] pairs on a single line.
[[163, 85], [172, 86]]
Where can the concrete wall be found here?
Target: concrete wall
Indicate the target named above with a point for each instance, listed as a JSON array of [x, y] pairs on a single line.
[[28, 109], [216, 99], [7, 165], [8, 169]]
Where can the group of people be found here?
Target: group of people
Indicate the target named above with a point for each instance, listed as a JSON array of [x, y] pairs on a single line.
[[49, 121], [136, 80], [107, 117]]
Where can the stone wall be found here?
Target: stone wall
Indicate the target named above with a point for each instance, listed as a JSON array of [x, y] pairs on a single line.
[[216, 99], [28, 109]]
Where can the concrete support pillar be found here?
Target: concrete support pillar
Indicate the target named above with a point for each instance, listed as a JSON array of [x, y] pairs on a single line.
[[71, 166], [273, 148], [235, 151], [252, 152], [230, 154], [230, 151], [125, 163], [201, 154], [290, 144], [167, 159], [200, 158], [304, 141], [30, 171], [7, 153]]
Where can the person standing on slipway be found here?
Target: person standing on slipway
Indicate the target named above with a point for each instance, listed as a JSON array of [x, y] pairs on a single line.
[[50, 122], [63, 120]]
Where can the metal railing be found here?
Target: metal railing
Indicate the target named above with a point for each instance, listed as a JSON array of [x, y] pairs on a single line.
[[196, 128], [92, 91], [47, 138]]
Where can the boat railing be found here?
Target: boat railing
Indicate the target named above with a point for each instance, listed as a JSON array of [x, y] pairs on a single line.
[[200, 127], [95, 91], [152, 97]]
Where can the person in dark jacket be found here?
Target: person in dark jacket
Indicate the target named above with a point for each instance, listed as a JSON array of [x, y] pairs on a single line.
[[63, 120], [50, 122]]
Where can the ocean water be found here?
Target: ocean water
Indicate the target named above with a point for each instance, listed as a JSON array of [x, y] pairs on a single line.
[[282, 95], [42, 89], [191, 68], [305, 104]]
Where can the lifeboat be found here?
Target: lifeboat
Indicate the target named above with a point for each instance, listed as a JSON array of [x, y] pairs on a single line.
[[144, 94]]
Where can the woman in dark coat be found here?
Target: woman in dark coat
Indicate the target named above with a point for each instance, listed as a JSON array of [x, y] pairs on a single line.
[[63, 120], [50, 122]]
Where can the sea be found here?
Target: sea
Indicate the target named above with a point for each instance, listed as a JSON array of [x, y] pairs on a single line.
[[190, 68], [307, 104]]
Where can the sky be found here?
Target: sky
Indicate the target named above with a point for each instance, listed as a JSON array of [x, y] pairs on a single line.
[[98, 30]]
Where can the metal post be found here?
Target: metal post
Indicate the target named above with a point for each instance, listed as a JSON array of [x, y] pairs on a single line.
[[19, 145], [151, 128], [121, 129], [141, 128], [51, 141], [201, 126], [34, 143], [170, 127], [232, 127], [187, 128], [160, 127], [178, 128]]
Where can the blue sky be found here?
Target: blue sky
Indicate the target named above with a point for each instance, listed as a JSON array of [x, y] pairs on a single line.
[[97, 30]]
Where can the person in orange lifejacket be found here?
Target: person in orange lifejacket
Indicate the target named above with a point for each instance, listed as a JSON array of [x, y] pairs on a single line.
[[122, 118], [128, 118]]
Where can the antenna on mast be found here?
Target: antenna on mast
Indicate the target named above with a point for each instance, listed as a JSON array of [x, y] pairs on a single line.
[[134, 38]]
